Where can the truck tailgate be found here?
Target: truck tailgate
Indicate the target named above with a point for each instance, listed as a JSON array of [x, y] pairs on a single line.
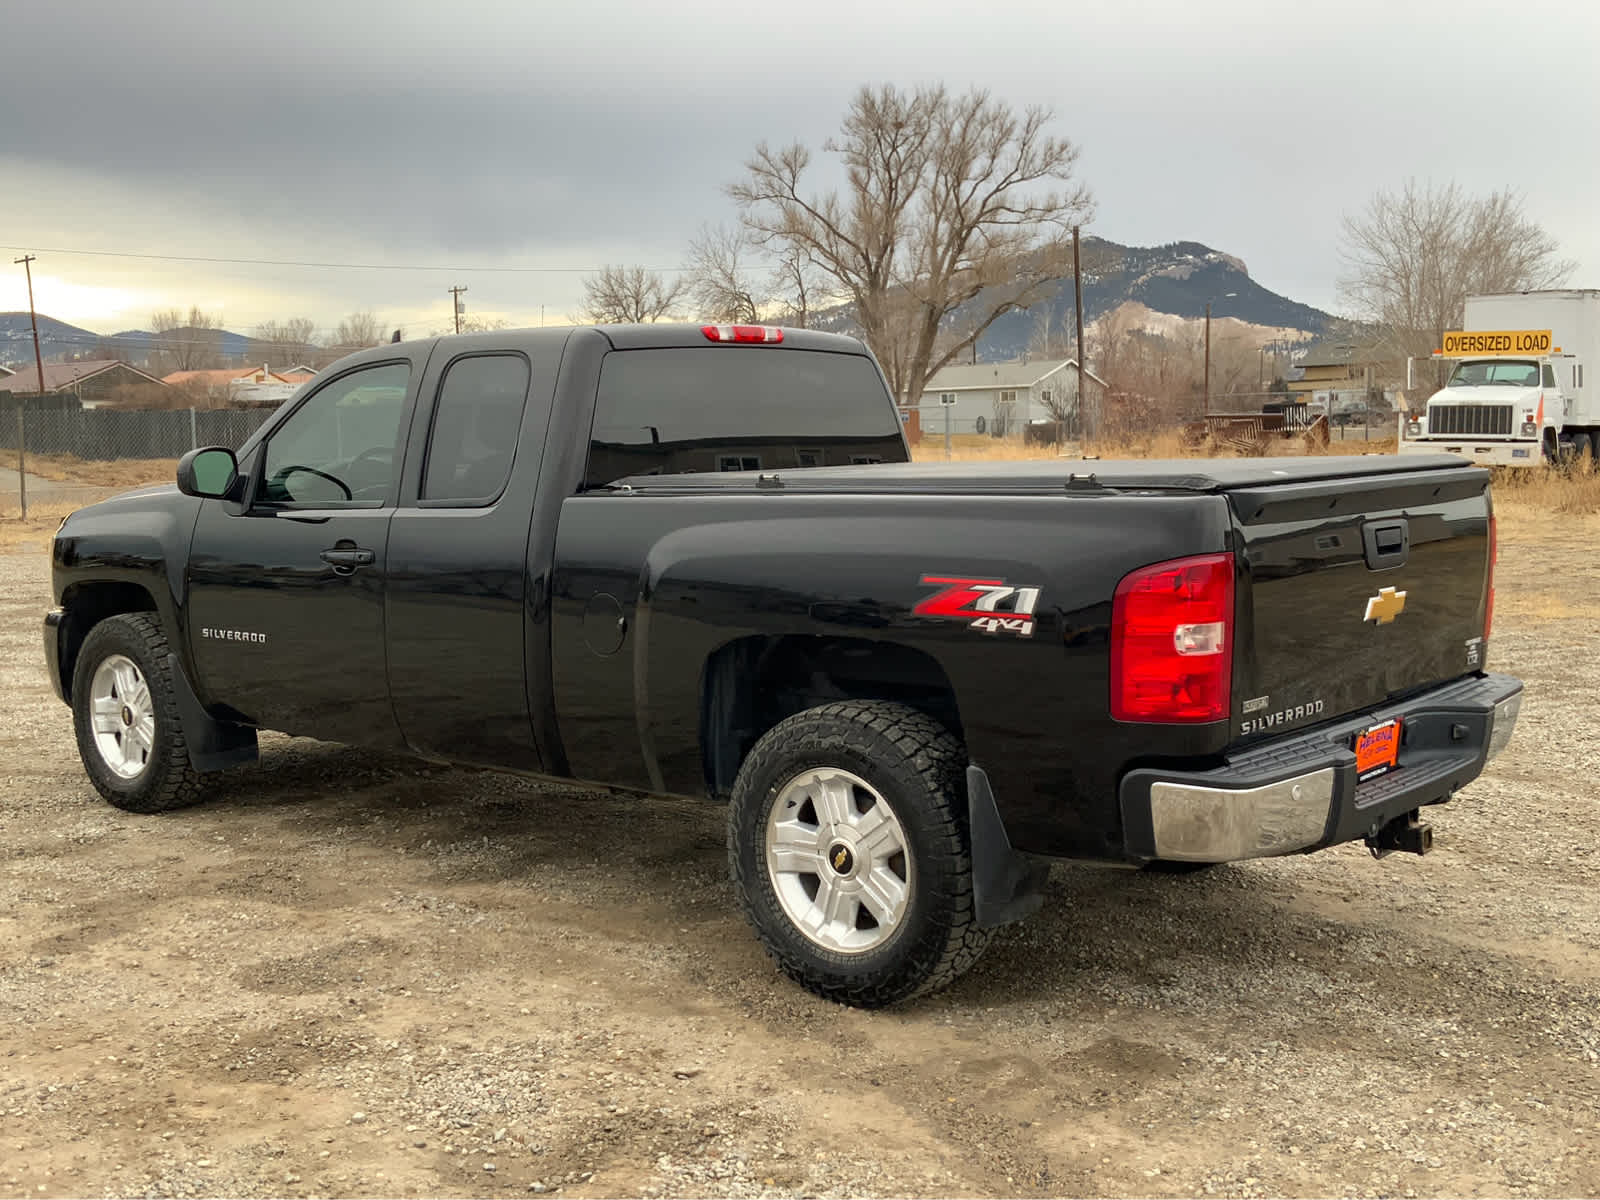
[[1356, 591]]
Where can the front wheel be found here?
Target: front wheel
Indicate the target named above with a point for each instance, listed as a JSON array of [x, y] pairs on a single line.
[[848, 844], [130, 736]]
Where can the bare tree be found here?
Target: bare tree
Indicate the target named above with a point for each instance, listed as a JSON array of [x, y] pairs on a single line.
[[629, 295], [796, 288], [721, 283], [473, 324], [283, 343], [940, 209], [184, 342], [1413, 257], [356, 332]]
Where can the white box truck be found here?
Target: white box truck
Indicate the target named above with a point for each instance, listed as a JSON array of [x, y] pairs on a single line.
[[1518, 394]]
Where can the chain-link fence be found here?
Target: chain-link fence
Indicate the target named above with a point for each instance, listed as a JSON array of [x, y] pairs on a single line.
[[76, 456]]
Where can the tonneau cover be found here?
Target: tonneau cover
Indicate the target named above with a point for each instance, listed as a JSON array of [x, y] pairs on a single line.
[[1054, 475]]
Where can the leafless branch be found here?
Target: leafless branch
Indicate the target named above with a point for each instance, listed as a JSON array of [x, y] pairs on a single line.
[[948, 201], [629, 295]]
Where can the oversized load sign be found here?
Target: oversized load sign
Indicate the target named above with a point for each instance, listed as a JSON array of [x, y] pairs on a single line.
[[1461, 343]]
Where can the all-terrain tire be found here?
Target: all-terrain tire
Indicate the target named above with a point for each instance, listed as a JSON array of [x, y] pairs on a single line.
[[166, 780], [918, 769]]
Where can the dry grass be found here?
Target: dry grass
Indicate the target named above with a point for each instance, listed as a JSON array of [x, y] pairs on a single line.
[[120, 473], [18, 536], [1573, 492], [1160, 444]]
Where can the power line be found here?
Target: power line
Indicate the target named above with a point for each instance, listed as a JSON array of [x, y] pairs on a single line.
[[332, 266]]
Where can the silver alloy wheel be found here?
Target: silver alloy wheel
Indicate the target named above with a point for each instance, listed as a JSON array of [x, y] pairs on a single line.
[[838, 860], [124, 716]]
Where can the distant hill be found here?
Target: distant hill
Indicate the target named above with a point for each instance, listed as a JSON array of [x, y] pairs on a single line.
[[57, 339], [231, 345], [1177, 278]]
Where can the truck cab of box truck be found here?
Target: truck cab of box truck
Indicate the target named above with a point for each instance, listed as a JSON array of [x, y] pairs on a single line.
[[1517, 393]]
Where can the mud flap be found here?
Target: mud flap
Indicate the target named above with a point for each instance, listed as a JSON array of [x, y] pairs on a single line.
[[1007, 886], [213, 745]]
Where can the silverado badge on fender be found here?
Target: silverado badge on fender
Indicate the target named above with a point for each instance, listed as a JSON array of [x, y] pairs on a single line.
[[989, 605], [1385, 606]]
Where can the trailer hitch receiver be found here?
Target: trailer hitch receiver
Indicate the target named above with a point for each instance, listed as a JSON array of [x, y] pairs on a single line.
[[1404, 833]]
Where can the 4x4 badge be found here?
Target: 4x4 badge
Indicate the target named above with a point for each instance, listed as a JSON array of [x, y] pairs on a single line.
[[1385, 606], [987, 605]]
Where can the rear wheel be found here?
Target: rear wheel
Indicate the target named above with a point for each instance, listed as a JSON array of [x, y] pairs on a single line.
[[1582, 447], [130, 736], [848, 844]]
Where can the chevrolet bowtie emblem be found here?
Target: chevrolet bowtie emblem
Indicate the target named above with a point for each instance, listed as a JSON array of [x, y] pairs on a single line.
[[1385, 606]]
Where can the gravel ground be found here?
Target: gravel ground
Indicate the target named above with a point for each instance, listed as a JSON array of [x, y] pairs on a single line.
[[356, 974]]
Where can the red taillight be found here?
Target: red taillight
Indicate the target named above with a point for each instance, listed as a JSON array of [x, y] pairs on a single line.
[[1172, 641], [1494, 557], [742, 333]]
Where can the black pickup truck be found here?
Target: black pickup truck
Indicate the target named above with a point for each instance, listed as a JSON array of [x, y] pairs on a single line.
[[697, 560]]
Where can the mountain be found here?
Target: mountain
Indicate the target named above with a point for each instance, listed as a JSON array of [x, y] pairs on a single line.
[[231, 346], [56, 339], [1177, 278]]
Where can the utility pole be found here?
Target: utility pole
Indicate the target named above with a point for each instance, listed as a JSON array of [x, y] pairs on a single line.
[[27, 261], [455, 304], [1225, 296], [1077, 300]]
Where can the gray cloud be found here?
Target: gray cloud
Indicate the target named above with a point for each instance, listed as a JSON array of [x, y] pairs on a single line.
[[528, 133]]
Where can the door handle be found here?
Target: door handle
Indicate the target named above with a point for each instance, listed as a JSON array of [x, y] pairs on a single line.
[[345, 559]]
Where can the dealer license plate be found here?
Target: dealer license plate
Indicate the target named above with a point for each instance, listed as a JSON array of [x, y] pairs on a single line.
[[1377, 750]]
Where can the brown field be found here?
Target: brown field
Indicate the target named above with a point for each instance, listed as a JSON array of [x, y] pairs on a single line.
[[88, 472], [1160, 444]]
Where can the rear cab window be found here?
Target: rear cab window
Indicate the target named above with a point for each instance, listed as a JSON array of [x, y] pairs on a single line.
[[672, 411], [473, 438]]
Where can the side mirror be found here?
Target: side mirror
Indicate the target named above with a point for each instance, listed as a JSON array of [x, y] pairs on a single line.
[[210, 472]]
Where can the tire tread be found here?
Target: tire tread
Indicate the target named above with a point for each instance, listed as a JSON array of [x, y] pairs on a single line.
[[938, 761], [173, 782]]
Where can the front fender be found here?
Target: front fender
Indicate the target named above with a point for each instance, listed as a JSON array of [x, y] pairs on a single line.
[[137, 543]]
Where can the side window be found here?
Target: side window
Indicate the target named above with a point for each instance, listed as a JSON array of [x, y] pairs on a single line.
[[1549, 376], [475, 424], [338, 448]]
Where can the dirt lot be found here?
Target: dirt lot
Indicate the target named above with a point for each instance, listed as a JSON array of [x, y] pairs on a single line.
[[354, 974]]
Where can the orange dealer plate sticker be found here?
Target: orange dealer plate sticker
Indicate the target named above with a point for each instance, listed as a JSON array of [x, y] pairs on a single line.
[[1377, 750]]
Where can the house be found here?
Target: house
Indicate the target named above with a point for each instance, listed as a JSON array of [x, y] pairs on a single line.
[[1330, 370], [1000, 399], [238, 385], [94, 382]]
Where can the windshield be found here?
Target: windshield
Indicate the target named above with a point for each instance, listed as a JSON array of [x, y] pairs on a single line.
[[1500, 373]]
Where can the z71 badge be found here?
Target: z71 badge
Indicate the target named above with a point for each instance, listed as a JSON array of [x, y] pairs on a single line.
[[987, 605]]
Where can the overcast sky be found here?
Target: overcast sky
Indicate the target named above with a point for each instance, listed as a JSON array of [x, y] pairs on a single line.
[[530, 134]]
